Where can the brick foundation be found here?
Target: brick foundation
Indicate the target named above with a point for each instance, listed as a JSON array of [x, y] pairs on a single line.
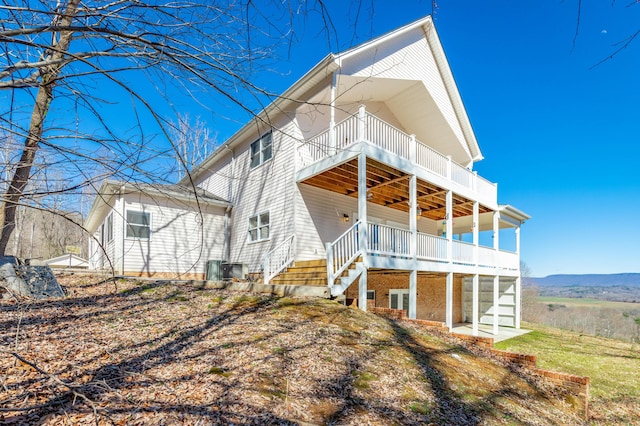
[[431, 298]]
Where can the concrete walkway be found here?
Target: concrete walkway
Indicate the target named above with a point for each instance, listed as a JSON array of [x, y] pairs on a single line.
[[504, 333]]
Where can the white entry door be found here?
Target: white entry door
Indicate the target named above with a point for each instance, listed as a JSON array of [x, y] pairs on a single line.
[[399, 298]]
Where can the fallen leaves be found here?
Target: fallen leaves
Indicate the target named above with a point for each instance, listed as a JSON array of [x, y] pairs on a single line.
[[174, 353]]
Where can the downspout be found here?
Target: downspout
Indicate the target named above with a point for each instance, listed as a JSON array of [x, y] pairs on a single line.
[[124, 227], [227, 213]]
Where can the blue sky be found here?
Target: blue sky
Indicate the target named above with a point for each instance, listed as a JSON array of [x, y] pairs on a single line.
[[560, 136]]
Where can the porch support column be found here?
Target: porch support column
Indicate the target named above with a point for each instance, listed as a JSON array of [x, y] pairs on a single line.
[[362, 228], [518, 301], [449, 226], [496, 232], [449, 302], [413, 226], [518, 281], [475, 302], [496, 304], [362, 291], [476, 233], [332, 116]]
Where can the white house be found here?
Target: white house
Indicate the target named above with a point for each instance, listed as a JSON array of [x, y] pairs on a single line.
[[164, 231], [67, 261], [359, 178]]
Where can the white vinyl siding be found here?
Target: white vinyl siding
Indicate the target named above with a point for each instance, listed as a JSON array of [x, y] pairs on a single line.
[[268, 188], [138, 224], [183, 238]]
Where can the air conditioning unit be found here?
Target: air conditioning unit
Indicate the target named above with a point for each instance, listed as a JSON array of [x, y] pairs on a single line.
[[214, 270], [234, 270]]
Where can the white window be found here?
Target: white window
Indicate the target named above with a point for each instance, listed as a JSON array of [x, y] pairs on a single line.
[[371, 295], [109, 230], [261, 150], [259, 227], [399, 299], [138, 224]]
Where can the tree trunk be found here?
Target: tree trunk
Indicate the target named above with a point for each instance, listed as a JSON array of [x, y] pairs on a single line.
[[49, 75]]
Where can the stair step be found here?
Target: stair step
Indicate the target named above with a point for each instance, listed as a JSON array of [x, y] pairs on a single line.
[[300, 281]]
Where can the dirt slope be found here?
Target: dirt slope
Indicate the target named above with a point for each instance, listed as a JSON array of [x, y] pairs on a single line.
[[158, 353]]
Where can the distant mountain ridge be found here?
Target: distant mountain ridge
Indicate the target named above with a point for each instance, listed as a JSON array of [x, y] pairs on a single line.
[[588, 280]]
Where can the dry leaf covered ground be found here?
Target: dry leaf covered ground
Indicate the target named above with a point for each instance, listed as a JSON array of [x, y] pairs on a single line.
[[165, 353]]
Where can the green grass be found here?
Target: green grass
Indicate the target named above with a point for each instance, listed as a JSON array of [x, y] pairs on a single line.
[[613, 366]]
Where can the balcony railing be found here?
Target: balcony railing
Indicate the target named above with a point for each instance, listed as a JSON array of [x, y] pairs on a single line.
[[385, 240], [365, 127]]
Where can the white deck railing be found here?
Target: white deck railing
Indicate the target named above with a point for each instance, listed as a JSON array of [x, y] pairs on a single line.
[[388, 240], [368, 128], [385, 240], [463, 253], [342, 252], [279, 258], [431, 247]]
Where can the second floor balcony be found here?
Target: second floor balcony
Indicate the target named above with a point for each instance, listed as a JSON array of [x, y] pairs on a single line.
[[388, 144]]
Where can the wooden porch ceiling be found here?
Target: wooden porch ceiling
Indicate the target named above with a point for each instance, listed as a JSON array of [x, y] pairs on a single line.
[[389, 187]]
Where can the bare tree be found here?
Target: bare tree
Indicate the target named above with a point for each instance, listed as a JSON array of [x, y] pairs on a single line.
[[87, 86], [193, 143]]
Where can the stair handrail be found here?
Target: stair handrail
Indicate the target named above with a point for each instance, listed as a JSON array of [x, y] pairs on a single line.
[[279, 258], [342, 253]]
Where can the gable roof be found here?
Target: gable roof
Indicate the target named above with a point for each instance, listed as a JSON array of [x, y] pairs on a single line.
[[178, 192], [330, 64]]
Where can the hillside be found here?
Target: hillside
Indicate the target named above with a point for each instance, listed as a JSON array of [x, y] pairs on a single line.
[[588, 280], [159, 353], [612, 365], [613, 287]]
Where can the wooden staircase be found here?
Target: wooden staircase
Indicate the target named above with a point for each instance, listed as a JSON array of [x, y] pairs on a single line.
[[306, 272], [314, 273]]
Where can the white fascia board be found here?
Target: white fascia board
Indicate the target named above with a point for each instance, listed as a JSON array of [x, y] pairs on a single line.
[[383, 38], [290, 96], [509, 212], [102, 199]]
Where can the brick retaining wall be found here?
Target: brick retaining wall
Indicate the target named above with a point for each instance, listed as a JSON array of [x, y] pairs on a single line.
[[577, 386]]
